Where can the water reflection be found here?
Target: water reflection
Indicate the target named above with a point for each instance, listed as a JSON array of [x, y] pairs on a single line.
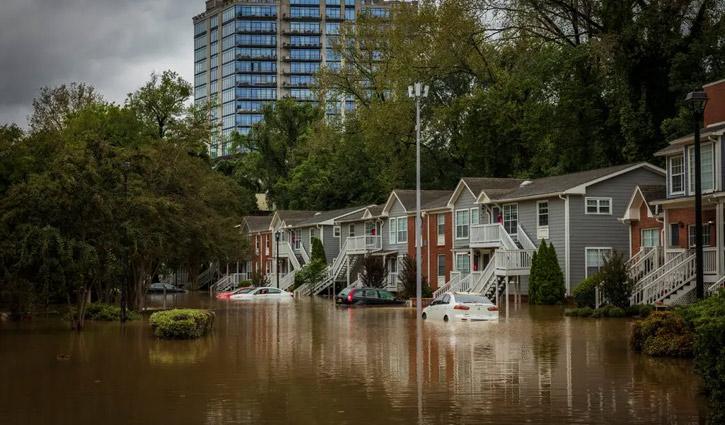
[[309, 362]]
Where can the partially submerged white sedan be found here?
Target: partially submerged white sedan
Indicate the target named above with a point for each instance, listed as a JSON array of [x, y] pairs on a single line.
[[264, 294], [461, 307]]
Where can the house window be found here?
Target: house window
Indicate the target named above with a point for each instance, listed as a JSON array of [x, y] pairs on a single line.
[[393, 265], [351, 230], [462, 224], [511, 218], [595, 259], [336, 231], [650, 237], [441, 265], [674, 234], [393, 230], [402, 229], [599, 206], [256, 243], [706, 168], [313, 235], [441, 229], [677, 174], [463, 263], [475, 217], [543, 214], [706, 241]]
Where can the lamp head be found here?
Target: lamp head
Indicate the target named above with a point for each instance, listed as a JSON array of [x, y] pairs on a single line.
[[125, 165], [277, 234], [411, 93], [696, 100]]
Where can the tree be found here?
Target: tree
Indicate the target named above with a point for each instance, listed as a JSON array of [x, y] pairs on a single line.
[[160, 102], [616, 284], [314, 271], [53, 105], [374, 272], [546, 280], [407, 279]]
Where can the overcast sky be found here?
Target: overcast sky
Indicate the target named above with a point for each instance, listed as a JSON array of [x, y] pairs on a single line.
[[111, 44]]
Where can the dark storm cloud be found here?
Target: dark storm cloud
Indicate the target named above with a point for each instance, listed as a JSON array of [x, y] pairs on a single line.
[[111, 44]]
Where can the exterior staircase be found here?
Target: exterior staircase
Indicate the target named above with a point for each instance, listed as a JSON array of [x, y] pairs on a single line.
[[667, 284], [228, 282]]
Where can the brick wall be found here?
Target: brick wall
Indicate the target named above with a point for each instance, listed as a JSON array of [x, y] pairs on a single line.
[[644, 222], [687, 217], [431, 247], [715, 108]]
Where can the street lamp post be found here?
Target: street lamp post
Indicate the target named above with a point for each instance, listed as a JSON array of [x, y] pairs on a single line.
[[277, 235], [418, 91], [697, 101], [125, 166]]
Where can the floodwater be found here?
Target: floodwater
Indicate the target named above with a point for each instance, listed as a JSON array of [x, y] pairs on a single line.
[[308, 362]]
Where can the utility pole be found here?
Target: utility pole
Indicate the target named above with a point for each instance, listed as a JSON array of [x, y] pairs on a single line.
[[417, 91]]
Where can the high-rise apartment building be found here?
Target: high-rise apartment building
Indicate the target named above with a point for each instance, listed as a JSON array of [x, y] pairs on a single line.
[[248, 53]]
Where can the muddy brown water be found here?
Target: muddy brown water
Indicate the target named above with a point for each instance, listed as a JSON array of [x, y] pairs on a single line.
[[308, 362]]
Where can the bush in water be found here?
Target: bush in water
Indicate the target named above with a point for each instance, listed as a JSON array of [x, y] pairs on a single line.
[[182, 323], [662, 334], [584, 292]]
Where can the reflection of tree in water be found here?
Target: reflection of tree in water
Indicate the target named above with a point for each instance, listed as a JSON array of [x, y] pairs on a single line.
[[546, 336], [180, 352]]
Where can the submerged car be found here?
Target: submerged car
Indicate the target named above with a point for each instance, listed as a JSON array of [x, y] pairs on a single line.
[[226, 295], [367, 296], [263, 294], [160, 288], [461, 307]]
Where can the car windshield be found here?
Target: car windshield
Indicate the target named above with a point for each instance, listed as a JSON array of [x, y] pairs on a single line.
[[470, 299], [386, 295], [344, 292]]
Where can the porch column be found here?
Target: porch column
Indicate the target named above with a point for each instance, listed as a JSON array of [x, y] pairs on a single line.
[[665, 236], [719, 237], [347, 258]]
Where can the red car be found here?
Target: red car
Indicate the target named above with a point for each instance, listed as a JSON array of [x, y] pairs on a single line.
[[226, 295]]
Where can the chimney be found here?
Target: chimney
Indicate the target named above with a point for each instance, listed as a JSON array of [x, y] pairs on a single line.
[[715, 108]]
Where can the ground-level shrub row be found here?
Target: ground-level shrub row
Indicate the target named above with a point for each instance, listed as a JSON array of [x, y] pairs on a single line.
[[610, 311], [182, 323]]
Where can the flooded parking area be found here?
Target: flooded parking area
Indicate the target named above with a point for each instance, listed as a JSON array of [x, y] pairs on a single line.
[[308, 362]]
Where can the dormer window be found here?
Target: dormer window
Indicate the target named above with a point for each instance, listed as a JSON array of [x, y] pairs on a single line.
[[706, 168], [677, 174]]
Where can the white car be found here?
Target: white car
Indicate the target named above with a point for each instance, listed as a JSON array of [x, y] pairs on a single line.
[[461, 307], [264, 294]]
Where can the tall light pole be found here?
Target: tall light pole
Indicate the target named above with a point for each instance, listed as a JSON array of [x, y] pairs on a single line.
[[277, 234], [697, 101], [418, 91]]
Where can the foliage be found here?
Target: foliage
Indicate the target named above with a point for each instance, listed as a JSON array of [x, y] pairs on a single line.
[[17, 296], [105, 313], [103, 193], [244, 284], [606, 311], [54, 105], [258, 279], [182, 323], [374, 272], [314, 271], [318, 251], [546, 280], [407, 279], [160, 102], [584, 292], [616, 312], [707, 319], [662, 334], [580, 312], [617, 286]]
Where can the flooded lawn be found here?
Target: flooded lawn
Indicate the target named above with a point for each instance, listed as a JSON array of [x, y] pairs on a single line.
[[307, 362]]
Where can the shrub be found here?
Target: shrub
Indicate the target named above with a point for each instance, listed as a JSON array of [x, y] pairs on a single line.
[[584, 292], [373, 272], [258, 279], [406, 278], [104, 313], [17, 296], [662, 334], [182, 323], [546, 280], [580, 312], [707, 318], [616, 283], [616, 312], [244, 283], [598, 313]]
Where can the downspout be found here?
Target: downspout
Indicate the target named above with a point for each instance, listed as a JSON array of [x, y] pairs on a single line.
[[427, 228], [567, 277]]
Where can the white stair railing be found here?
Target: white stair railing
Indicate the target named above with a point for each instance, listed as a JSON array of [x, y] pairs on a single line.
[[658, 273], [712, 290], [485, 277], [303, 253], [287, 280], [455, 277], [507, 241], [292, 257], [228, 282], [524, 239], [648, 260], [514, 259], [667, 283]]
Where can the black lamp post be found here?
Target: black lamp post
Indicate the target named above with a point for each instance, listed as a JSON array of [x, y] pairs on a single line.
[[277, 234], [697, 101], [125, 166]]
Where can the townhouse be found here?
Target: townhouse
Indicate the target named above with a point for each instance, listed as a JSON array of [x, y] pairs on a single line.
[[661, 219]]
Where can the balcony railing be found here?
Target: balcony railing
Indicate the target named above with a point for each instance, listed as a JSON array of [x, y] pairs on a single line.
[[514, 259], [364, 244], [490, 236]]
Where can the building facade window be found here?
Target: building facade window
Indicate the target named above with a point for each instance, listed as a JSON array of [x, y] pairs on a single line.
[[650, 237], [706, 167], [706, 240], [595, 259], [441, 218], [393, 231], [677, 174], [441, 267], [599, 206], [462, 224], [463, 263], [475, 217], [351, 230], [511, 218], [542, 219], [336, 231], [402, 229]]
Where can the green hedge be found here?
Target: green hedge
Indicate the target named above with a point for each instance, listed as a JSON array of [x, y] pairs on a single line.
[[610, 311], [662, 334], [182, 323], [584, 292], [105, 313]]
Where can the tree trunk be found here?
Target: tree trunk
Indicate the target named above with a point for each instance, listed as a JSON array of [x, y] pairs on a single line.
[[194, 276]]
